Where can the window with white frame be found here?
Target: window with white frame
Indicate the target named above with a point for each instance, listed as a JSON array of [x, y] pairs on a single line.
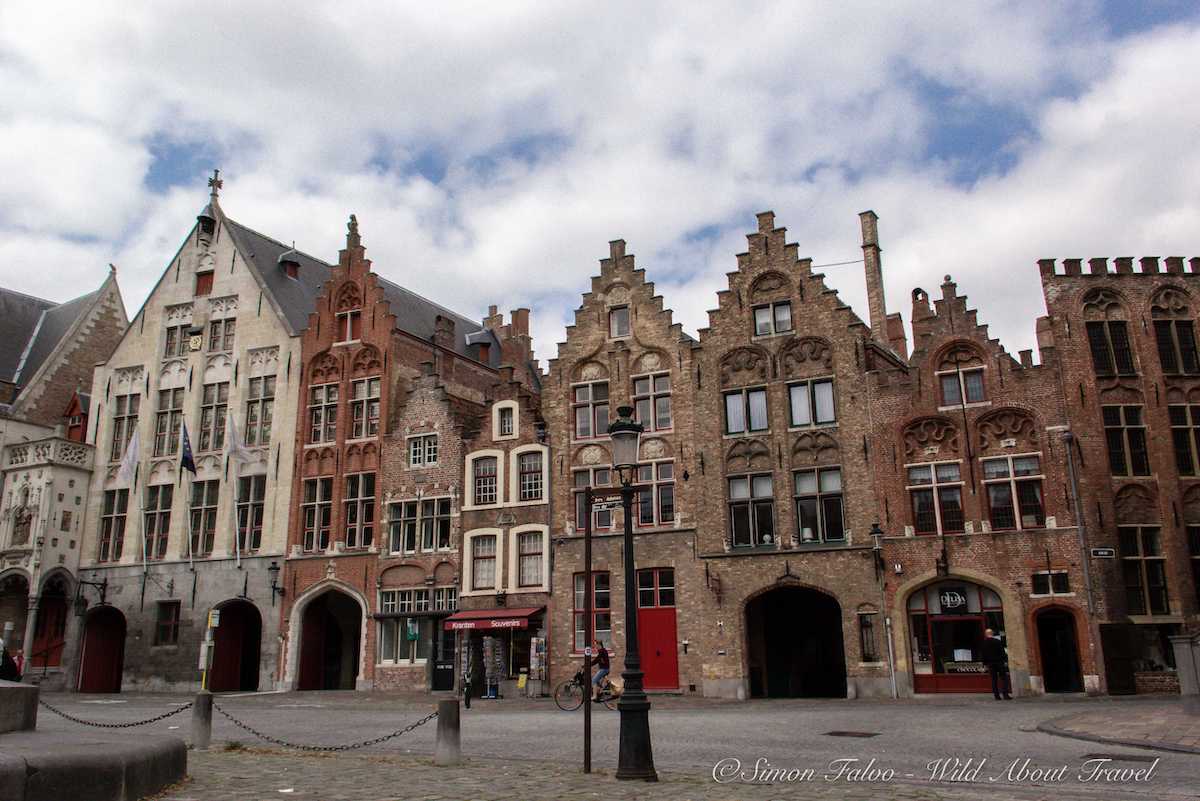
[[322, 413], [349, 326], [484, 480], [317, 511], [359, 508], [811, 403], [936, 493], [594, 477], [819, 516], [652, 401], [656, 494], [167, 421], [214, 405], [364, 408], [1014, 478], [445, 599], [773, 318], [1050, 582], [157, 519], [507, 415], [260, 410], [529, 558], [423, 450], [435, 524], [746, 411], [125, 420], [406, 640], [483, 562], [591, 410], [529, 476], [751, 510], [962, 386], [423, 524], [112, 524], [618, 322]]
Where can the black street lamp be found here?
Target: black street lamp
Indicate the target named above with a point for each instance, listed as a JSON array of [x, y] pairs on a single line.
[[636, 760], [276, 588]]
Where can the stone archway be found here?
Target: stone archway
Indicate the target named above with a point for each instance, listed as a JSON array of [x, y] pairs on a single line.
[[237, 645], [794, 644], [14, 608], [329, 642]]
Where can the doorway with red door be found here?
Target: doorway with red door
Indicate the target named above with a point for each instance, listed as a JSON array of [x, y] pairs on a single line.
[[657, 637], [103, 657], [50, 629], [236, 645]]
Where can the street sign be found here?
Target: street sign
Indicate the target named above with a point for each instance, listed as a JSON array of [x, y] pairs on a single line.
[[1104, 553], [214, 618], [606, 506]]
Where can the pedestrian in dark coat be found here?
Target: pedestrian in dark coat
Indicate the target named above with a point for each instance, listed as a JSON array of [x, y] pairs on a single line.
[[996, 658]]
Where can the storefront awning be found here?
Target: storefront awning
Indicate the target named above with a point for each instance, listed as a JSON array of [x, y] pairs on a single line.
[[517, 618]]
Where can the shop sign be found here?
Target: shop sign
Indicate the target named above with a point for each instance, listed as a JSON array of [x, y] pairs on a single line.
[[964, 667], [953, 599], [508, 623], [1104, 553]]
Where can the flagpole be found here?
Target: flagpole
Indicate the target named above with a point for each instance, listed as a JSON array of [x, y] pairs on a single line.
[[141, 515], [237, 540]]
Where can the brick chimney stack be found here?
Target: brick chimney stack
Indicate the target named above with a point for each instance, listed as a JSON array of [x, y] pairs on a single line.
[[876, 303]]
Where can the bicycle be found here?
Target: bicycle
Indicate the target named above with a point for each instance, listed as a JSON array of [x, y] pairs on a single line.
[[569, 694]]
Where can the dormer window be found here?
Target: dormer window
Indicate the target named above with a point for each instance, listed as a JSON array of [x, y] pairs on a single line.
[[618, 322], [349, 326], [963, 386], [506, 422]]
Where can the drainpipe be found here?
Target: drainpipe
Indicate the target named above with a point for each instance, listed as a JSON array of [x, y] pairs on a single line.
[[1069, 440]]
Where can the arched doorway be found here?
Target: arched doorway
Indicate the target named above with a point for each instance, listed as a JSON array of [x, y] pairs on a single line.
[[14, 606], [329, 642], [50, 630], [237, 642], [794, 645], [946, 621], [103, 657], [1058, 647]]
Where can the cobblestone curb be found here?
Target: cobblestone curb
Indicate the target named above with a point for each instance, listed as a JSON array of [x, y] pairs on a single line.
[[1053, 727]]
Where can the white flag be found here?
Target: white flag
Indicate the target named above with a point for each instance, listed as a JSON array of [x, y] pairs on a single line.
[[234, 446], [129, 461]]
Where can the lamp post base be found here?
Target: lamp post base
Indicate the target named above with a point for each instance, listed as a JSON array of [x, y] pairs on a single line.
[[636, 759]]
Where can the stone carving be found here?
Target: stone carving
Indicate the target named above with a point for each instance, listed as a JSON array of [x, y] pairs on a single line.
[[1170, 301], [1003, 424], [1135, 504], [814, 447], [593, 371], [960, 354], [366, 361], [180, 314], [929, 432], [264, 361], [747, 454], [217, 367], [744, 365], [592, 454], [806, 355], [770, 283], [1103, 302], [348, 297], [325, 368], [73, 454], [617, 295], [649, 362], [654, 449], [173, 374], [223, 307], [126, 377]]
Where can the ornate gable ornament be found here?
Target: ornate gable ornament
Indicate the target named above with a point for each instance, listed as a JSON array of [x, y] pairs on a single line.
[[929, 436], [806, 355], [1007, 424], [744, 365]]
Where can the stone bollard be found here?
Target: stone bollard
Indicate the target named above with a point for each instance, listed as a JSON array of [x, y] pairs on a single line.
[[202, 709], [449, 746]]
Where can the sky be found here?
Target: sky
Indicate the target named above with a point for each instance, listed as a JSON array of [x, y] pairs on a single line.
[[491, 150]]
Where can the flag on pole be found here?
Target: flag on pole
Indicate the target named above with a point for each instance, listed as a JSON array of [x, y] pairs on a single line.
[[129, 461], [236, 449], [186, 460]]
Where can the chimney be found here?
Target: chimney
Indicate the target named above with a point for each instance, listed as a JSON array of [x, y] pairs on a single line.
[[493, 321], [520, 322], [876, 303]]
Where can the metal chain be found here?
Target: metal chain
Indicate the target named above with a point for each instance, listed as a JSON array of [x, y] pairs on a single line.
[[100, 725], [346, 747]]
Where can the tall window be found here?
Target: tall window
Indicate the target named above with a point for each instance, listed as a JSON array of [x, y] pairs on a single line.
[[962, 386], [252, 492], [430, 517], [1144, 570], [125, 418], [1185, 432], [364, 408], [349, 326], [746, 410], [220, 334], [322, 413], [1193, 535], [260, 410], [652, 401], [167, 421], [483, 562], [318, 513], [529, 475], [618, 322], [506, 421], [774, 318], [213, 406], [1014, 477], [435, 524], [601, 610], [359, 507], [166, 624], [1126, 436], [529, 558], [811, 403], [591, 410], [483, 471], [819, 505], [176, 341], [1109, 343], [656, 494], [591, 477], [158, 519], [751, 511], [204, 516], [423, 450], [936, 492], [1177, 346], [112, 524], [868, 640]]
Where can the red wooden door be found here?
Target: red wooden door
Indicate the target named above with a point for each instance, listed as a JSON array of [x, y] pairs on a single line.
[[50, 632], [656, 628], [103, 652]]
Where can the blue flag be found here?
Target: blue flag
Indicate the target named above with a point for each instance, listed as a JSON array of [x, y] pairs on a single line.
[[186, 462]]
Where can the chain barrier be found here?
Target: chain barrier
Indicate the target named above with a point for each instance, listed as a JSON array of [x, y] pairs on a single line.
[[326, 748], [100, 725]]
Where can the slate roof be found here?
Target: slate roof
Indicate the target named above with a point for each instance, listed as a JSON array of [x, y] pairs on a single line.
[[30, 330]]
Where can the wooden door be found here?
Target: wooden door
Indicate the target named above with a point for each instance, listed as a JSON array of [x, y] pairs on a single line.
[[657, 628], [50, 632], [103, 652]]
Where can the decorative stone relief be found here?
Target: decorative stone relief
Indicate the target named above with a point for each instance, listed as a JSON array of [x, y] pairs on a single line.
[[348, 297], [1103, 302], [814, 447], [806, 355], [959, 354], [593, 371], [127, 377], [1170, 301], [264, 361], [367, 360], [747, 455], [1017, 425], [223, 307], [929, 433], [617, 295], [654, 449], [173, 374], [1135, 504], [649, 362], [768, 284], [592, 454], [180, 314], [744, 366], [325, 368], [73, 454]]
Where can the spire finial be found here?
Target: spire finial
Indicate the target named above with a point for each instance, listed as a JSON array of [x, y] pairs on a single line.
[[352, 238], [215, 183]]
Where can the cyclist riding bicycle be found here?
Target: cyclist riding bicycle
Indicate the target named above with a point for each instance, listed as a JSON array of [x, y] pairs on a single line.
[[602, 673]]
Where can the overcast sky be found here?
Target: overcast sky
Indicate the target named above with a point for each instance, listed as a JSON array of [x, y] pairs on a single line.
[[491, 150]]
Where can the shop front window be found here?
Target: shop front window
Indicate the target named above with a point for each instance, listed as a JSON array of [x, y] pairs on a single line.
[[947, 621]]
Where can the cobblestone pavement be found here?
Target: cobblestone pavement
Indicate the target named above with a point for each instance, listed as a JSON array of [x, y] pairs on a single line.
[[1161, 726]]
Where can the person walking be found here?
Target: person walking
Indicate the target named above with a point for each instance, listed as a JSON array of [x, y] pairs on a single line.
[[8, 666], [20, 660], [995, 656]]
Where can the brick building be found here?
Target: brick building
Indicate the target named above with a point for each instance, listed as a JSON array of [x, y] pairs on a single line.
[[393, 387], [1125, 337]]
